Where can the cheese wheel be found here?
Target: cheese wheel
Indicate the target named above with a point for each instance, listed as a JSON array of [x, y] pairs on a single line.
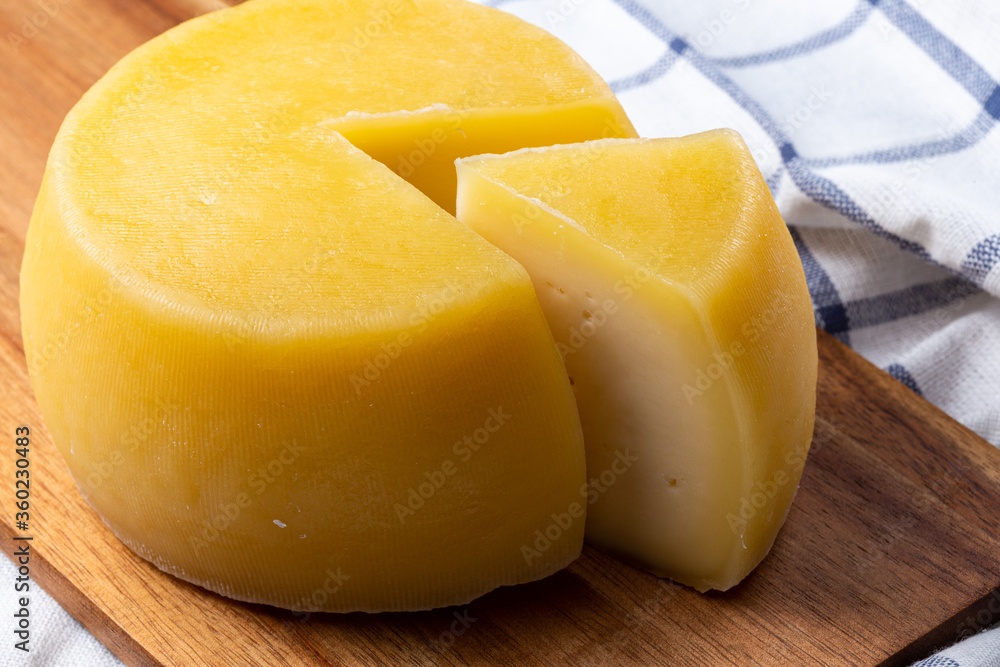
[[680, 306], [274, 367]]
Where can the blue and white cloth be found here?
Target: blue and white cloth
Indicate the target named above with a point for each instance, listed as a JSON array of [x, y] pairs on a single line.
[[875, 125]]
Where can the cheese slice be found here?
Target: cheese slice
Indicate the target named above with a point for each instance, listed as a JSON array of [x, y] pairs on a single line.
[[277, 369], [680, 306]]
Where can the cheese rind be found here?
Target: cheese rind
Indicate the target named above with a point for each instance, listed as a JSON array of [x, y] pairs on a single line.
[[275, 368], [679, 304]]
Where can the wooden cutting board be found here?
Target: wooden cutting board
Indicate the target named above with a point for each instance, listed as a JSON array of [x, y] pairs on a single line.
[[890, 548]]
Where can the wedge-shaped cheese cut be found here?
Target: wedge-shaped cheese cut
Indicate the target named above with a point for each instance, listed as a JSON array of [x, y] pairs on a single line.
[[680, 306], [274, 367]]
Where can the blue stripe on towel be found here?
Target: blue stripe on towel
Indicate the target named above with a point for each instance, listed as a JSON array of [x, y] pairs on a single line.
[[945, 52], [651, 73], [900, 373], [982, 258], [832, 35], [966, 138], [831, 316], [913, 300]]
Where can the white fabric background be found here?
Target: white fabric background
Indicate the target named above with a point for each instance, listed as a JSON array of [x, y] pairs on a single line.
[[875, 125]]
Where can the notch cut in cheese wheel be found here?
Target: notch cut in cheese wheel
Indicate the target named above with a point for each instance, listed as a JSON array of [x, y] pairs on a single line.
[[414, 84], [679, 303], [274, 367]]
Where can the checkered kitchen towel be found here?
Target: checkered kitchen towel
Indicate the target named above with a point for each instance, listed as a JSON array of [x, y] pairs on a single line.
[[875, 124]]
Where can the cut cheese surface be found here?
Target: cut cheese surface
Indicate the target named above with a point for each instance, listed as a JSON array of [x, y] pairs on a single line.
[[274, 367], [680, 307]]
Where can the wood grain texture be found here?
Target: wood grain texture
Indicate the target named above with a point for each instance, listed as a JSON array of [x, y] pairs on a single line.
[[888, 551]]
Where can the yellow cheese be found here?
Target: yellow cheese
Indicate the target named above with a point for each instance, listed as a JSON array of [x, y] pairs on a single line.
[[680, 306], [275, 368]]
